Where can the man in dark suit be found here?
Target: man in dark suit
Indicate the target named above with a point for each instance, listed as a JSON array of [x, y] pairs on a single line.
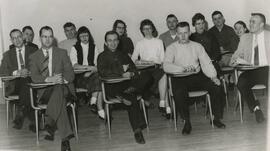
[[253, 49], [15, 62], [52, 64], [28, 37]]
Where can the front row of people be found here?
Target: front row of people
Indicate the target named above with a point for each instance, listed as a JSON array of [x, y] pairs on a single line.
[[52, 64]]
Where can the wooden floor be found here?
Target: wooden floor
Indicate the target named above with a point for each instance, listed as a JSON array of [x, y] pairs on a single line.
[[93, 135]]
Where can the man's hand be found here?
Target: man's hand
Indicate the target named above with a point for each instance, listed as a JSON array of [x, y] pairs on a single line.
[[189, 69], [128, 74], [23, 72], [125, 67], [216, 81], [88, 74], [57, 79], [92, 68]]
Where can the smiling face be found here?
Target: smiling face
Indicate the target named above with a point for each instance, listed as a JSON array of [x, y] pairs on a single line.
[[218, 20], [112, 41], [147, 31], [183, 33], [28, 35], [17, 39], [70, 32]]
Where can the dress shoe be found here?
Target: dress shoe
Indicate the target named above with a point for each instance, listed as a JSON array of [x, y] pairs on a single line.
[[50, 135], [93, 108], [259, 116], [65, 146], [187, 128], [139, 137], [218, 123]]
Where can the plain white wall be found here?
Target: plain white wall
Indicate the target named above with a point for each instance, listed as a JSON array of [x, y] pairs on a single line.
[[99, 15]]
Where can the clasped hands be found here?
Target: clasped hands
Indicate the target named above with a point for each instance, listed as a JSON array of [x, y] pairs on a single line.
[[92, 69], [22, 73], [56, 78]]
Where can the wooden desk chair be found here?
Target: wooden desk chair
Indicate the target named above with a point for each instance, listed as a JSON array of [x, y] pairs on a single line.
[[108, 102], [38, 107], [191, 94]]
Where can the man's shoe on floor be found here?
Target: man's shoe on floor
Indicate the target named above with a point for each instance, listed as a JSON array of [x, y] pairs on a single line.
[[65, 146], [259, 116], [187, 128], [218, 123], [93, 108], [50, 130], [139, 137]]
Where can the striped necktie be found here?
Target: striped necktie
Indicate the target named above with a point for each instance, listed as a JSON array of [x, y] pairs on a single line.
[[21, 59], [45, 65]]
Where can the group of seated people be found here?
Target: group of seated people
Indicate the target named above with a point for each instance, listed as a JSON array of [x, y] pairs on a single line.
[[202, 54]]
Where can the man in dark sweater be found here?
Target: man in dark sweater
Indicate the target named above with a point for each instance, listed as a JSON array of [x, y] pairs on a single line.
[[112, 63]]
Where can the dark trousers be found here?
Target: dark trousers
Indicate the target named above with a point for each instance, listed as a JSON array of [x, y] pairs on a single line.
[[247, 80], [135, 114], [55, 98], [182, 85], [24, 107]]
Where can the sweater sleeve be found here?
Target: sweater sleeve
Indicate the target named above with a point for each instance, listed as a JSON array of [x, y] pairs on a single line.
[[206, 63]]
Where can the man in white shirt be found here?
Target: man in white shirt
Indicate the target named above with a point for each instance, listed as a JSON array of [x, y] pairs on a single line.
[[186, 56], [15, 62], [71, 33], [253, 49]]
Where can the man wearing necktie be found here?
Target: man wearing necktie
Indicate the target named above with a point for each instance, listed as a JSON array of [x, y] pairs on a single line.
[[15, 62], [52, 64], [253, 49]]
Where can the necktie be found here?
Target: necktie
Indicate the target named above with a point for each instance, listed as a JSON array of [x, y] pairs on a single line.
[[45, 63], [21, 59], [256, 52]]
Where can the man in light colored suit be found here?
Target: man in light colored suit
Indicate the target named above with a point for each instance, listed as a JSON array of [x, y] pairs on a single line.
[[253, 49], [52, 64]]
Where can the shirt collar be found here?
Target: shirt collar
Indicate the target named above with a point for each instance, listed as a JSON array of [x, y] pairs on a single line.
[[46, 50], [22, 49]]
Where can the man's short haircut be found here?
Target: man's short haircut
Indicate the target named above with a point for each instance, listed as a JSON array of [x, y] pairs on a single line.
[[148, 22], [69, 24], [118, 21], [197, 16], [27, 27], [216, 13], [14, 30], [183, 24], [171, 16], [45, 28], [111, 33], [261, 16]]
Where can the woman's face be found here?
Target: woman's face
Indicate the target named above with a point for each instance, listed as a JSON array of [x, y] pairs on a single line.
[[147, 31], [239, 29], [84, 37], [120, 29]]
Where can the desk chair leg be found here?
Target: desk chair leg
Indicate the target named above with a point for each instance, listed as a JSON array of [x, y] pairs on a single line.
[[108, 119], [210, 109], [240, 107], [43, 120], [195, 105], [7, 109], [73, 106], [14, 111], [37, 132], [145, 115], [174, 115], [226, 93]]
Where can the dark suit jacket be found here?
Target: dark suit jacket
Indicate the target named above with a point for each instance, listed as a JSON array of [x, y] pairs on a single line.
[[60, 64], [10, 64]]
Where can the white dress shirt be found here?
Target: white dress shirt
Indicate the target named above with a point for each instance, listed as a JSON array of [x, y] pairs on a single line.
[[259, 40], [149, 50], [18, 58], [85, 47]]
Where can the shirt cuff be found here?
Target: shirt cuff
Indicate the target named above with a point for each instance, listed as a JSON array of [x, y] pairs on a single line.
[[15, 72]]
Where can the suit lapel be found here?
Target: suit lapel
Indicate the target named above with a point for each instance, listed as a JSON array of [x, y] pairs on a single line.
[[54, 59], [26, 55], [14, 62]]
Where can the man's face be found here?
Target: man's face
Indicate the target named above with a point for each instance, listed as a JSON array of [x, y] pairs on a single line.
[[46, 39], [70, 32], [17, 39], [112, 41], [183, 34], [147, 30], [218, 20], [84, 37], [28, 35], [255, 24], [199, 26], [120, 29], [171, 23]]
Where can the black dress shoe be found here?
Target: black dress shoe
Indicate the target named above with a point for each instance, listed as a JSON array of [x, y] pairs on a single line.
[[218, 123], [93, 108], [187, 128], [259, 116], [139, 138], [65, 146], [162, 109], [50, 135]]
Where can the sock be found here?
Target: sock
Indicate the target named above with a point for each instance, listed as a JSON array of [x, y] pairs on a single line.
[[101, 113], [256, 108], [161, 103], [93, 100], [168, 110]]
